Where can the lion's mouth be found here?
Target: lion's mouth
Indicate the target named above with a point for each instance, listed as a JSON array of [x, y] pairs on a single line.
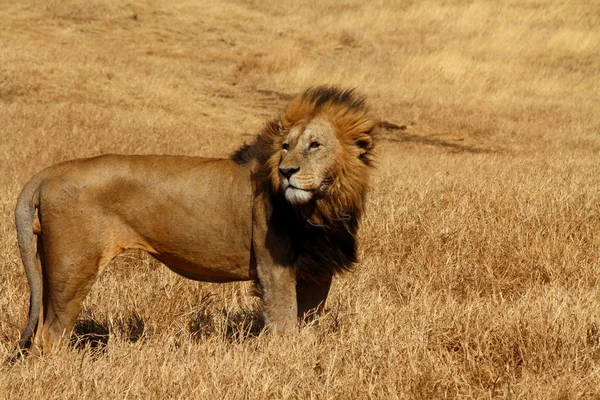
[[294, 187], [286, 184], [297, 195]]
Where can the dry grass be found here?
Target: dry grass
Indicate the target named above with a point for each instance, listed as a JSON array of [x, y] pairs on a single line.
[[479, 266]]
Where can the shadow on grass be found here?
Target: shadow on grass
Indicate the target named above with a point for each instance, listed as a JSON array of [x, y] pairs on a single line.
[[235, 326], [92, 333], [397, 133]]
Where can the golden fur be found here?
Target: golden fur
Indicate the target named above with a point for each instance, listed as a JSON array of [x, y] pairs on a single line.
[[282, 212]]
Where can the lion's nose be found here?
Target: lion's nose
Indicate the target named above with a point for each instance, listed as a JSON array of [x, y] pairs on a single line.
[[288, 171]]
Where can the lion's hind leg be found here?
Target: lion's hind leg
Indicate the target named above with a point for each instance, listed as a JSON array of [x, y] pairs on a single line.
[[69, 271]]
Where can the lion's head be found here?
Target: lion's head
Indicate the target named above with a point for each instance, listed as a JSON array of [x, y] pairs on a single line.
[[317, 155]]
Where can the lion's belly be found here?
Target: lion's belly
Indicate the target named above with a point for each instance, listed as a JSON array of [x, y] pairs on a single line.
[[234, 271]]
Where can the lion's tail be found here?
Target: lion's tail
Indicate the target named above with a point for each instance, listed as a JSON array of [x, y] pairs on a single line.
[[28, 229]]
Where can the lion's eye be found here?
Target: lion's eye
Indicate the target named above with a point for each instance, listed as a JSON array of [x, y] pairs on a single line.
[[286, 146], [314, 145]]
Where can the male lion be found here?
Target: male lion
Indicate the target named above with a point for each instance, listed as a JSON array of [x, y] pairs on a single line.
[[283, 212]]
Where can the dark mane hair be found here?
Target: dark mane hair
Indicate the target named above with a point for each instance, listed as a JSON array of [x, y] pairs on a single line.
[[321, 233]]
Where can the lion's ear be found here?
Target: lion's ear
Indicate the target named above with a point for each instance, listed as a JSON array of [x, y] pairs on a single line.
[[364, 144], [364, 140]]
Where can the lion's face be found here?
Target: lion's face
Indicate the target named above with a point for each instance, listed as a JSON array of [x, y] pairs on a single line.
[[317, 155], [308, 154]]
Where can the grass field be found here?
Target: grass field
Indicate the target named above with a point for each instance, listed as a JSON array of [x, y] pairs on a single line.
[[479, 266]]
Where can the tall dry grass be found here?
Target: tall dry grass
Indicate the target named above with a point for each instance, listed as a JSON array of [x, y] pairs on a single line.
[[480, 252]]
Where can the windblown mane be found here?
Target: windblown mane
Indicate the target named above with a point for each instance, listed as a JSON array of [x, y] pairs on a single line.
[[322, 233]]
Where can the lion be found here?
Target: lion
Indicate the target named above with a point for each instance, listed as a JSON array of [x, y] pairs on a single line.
[[282, 212]]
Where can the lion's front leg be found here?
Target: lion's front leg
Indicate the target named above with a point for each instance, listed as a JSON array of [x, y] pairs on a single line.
[[311, 297], [276, 277], [278, 293]]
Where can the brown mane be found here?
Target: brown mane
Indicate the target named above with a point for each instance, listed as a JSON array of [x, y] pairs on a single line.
[[322, 233]]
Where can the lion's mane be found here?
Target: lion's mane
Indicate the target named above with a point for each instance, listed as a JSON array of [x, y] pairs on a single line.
[[322, 234]]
